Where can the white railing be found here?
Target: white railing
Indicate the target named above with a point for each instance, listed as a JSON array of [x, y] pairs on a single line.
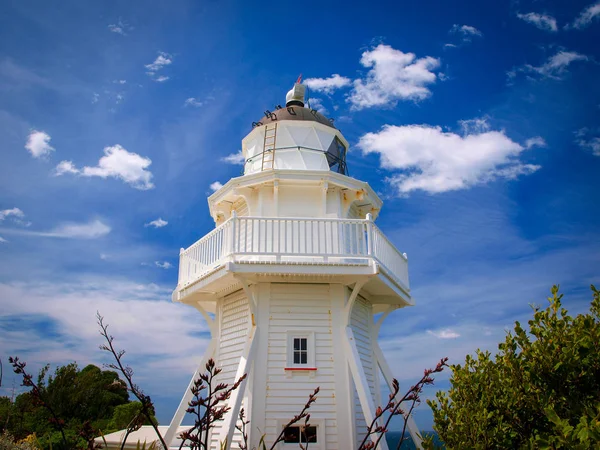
[[291, 240]]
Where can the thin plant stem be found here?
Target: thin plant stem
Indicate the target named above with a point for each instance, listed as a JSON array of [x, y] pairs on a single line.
[[128, 373], [311, 399]]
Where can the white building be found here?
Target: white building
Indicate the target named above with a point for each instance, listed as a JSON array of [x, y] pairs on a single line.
[[294, 283]]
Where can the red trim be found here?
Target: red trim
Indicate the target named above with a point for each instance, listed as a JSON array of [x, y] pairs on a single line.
[[300, 368]]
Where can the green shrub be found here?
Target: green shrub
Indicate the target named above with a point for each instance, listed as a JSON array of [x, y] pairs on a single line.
[[542, 389]]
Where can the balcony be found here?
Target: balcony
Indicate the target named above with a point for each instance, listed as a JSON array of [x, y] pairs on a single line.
[[293, 246]]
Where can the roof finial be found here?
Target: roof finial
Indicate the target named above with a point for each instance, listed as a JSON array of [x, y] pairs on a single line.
[[295, 97]]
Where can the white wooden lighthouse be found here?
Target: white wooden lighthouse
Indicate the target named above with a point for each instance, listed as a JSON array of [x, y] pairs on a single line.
[[294, 283]]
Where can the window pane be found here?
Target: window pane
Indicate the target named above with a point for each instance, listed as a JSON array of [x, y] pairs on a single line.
[[336, 156], [303, 344], [309, 434], [296, 357], [303, 358], [292, 435], [296, 343]]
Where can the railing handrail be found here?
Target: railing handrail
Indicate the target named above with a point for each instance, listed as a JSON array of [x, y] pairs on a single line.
[[211, 233], [317, 219], [382, 234]]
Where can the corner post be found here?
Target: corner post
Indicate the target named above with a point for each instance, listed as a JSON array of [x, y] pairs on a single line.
[[233, 233], [369, 234], [181, 263]]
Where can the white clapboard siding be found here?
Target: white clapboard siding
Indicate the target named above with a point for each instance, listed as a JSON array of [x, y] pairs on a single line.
[[302, 307], [361, 321], [234, 333]]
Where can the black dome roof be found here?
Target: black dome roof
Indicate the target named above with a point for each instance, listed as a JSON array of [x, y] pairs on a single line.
[[294, 113]]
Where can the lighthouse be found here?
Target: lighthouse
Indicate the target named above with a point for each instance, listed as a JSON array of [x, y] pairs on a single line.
[[294, 283]]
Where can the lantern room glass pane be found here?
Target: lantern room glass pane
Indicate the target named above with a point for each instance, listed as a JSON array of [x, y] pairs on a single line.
[[336, 156]]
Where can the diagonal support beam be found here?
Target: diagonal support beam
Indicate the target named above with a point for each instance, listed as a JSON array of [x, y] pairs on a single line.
[[350, 303], [377, 325], [251, 298], [413, 429], [360, 381], [235, 401], [211, 322], [187, 396]]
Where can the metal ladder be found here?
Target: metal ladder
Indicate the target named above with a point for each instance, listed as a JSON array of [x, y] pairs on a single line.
[[268, 156]]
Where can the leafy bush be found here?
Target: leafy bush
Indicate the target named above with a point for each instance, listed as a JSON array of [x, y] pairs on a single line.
[[542, 389], [124, 415]]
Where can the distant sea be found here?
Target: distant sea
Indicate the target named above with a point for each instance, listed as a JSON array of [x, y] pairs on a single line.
[[393, 437]]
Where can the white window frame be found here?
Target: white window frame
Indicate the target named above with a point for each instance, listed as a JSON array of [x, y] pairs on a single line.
[[310, 349], [319, 445]]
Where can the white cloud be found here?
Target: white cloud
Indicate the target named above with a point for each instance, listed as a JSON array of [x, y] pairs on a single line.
[[192, 102], [542, 21], [16, 215], [588, 141], [327, 85], [215, 186], [119, 81], [537, 141], [116, 163], [554, 68], [13, 212], [466, 32], [120, 27], [163, 59], [69, 230], [586, 17], [450, 45], [158, 223], [234, 158], [444, 334], [163, 265], [558, 63], [435, 161], [2, 240], [95, 98], [593, 144], [116, 29], [317, 103], [474, 126], [65, 167], [38, 144], [393, 76], [91, 230]]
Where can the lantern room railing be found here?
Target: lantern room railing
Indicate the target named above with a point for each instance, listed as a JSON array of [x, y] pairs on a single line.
[[292, 241]]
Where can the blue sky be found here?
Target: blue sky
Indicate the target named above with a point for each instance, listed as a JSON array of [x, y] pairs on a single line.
[[477, 122]]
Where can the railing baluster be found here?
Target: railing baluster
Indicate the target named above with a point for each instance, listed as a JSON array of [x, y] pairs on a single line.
[[304, 222]]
